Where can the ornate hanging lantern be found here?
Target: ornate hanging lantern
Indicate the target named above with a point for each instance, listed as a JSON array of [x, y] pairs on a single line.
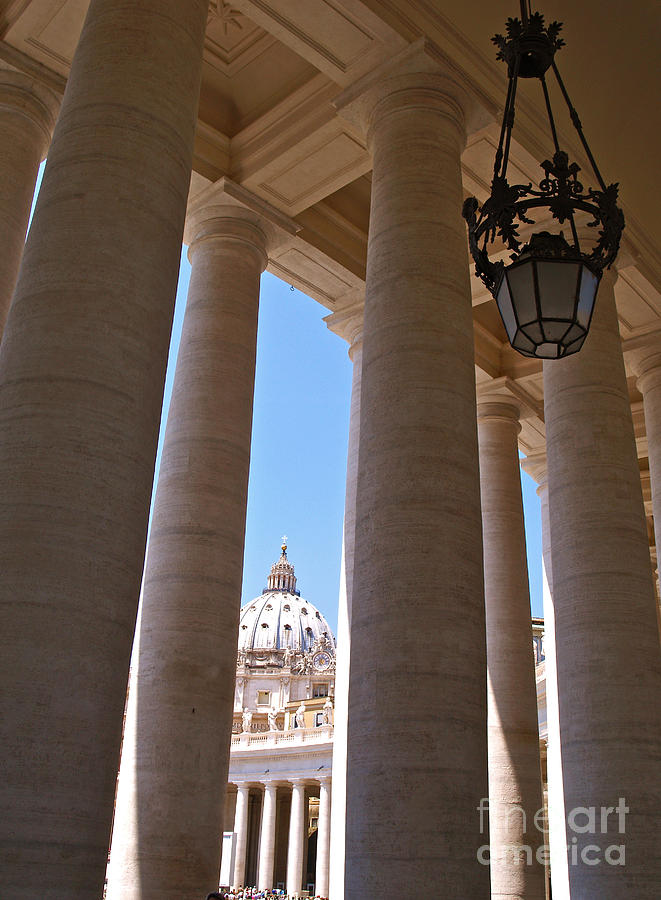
[[546, 294]]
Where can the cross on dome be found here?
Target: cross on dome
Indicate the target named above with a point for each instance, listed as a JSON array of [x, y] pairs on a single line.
[[282, 576]]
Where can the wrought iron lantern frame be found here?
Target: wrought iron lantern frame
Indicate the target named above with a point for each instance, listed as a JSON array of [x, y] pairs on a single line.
[[529, 50]]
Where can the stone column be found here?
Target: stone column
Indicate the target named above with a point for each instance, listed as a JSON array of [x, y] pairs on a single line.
[[535, 465], [177, 737], [296, 838], [323, 838], [267, 838], [81, 384], [609, 668], [417, 698], [647, 366], [27, 117], [348, 324], [241, 830], [515, 789]]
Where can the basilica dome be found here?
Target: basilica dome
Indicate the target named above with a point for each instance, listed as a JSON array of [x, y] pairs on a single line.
[[280, 619]]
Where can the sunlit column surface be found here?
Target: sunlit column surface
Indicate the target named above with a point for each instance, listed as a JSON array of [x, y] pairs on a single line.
[[349, 325], [296, 845], [323, 838], [176, 747], [515, 791], [267, 838], [241, 830], [417, 698], [535, 465], [81, 383], [609, 668]]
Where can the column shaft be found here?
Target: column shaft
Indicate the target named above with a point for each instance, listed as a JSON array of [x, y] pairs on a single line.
[[609, 671], [27, 116], [323, 839], [515, 790], [81, 384], [169, 809], [557, 838], [241, 830], [648, 366], [267, 839], [418, 610], [342, 659], [296, 839]]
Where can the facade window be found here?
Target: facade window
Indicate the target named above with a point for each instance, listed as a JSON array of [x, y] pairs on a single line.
[[318, 719], [320, 690], [286, 608], [304, 612], [287, 627], [265, 625], [263, 698]]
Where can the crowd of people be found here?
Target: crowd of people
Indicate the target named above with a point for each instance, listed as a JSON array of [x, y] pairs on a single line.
[[251, 893]]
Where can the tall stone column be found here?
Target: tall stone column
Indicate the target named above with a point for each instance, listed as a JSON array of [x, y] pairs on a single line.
[[323, 838], [241, 830], [647, 365], [81, 384], [27, 117], [515, 789], [267, 838], [417, 697], [296, 838], [536, 466], [609, 668], [348, 324], [177, 736]]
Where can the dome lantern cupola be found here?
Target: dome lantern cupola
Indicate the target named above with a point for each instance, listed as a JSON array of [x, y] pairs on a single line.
[[282, 576]]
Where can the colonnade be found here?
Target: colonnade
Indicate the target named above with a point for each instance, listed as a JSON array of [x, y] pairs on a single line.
[[82, 366], [274, 795]]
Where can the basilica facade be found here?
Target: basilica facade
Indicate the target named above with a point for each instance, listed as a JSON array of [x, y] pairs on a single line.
[[280, 776]]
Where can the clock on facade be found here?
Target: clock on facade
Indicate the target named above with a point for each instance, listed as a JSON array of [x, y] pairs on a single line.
[[321, 660]]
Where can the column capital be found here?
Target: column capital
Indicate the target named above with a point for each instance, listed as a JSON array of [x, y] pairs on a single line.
[[26, 96], [225, 210], [420, 75], [347, 322], [646, 365], [298, 782], [535, 465], [499, 409]]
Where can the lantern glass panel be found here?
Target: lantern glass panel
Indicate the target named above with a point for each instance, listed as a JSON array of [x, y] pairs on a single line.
[[574, 333], [534, 332], [558, 285], [576, 345], [522, 287], [555, 331], [523, 344], [548, 350], [586, 297], [504, 302]]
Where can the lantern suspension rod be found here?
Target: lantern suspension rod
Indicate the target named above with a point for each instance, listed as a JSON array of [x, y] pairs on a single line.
[[508, 119], [525, 11], [550, 112], [578, 126]]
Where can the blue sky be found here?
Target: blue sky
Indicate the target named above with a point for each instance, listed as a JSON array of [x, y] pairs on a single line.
[[299, 446]]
